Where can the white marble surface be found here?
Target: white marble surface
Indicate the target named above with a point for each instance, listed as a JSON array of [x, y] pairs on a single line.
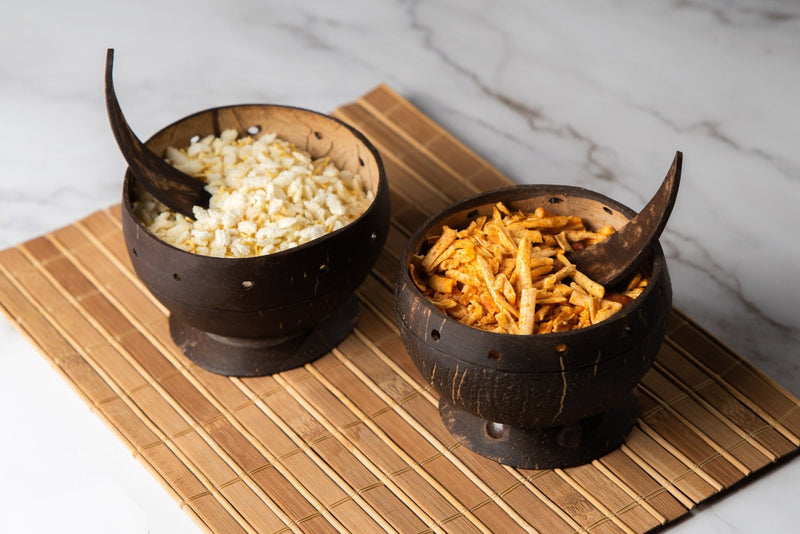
[[594, 93]]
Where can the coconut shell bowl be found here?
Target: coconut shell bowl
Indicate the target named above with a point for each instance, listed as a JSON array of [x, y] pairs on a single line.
[[544, 400], [261, 315]]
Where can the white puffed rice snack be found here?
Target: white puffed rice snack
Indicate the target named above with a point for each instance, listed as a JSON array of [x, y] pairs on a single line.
[[266, 196]]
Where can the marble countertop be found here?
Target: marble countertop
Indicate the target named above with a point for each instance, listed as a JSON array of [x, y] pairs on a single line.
[[592, 93]]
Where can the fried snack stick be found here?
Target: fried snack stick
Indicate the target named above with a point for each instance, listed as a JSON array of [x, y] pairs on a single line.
[[508, 273]]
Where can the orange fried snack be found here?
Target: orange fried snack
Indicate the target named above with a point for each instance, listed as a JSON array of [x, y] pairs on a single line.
[[509, 274]]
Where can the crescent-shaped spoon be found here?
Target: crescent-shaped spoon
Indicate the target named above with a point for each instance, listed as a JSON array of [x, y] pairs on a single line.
[[613, 259], [175, 189]]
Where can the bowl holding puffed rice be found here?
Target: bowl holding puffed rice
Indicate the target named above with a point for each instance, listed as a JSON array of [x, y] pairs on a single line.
[[534, 364], [262, 279]]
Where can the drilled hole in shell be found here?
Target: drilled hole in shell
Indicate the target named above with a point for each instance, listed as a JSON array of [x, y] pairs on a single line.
[[495, 430], [194, 139], [555, 200], [373, 236], [136, 254], [361, 162], [608, 210], [176, 277], [472, 214], [247, 285], [323, 269], [318, 135], [435, 335], [253, 130], [628, 330], [561, 348], [494, 354]]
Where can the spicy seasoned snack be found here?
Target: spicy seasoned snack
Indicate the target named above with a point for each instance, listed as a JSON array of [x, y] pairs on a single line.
[[509, 274], [267, 195]]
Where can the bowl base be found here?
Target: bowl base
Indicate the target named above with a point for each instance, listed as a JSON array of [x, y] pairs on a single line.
[[232, 356], [543, 448]]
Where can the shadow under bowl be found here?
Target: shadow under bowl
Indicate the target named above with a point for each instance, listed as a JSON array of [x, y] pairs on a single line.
[[544, 400], [260, 315]]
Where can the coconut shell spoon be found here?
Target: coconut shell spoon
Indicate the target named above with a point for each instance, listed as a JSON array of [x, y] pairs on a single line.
[[616, 257], [175, 189]]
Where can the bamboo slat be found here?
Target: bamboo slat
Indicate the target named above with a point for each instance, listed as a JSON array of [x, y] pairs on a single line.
[[353, 441]]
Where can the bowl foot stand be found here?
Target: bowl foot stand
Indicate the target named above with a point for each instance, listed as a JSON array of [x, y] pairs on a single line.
[[543, 448], [233, 356]]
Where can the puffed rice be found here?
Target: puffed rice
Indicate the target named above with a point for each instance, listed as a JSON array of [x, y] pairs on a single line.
[[267, 195]]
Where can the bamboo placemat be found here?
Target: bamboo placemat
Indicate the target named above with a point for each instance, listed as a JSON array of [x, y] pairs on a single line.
[[353, 442]]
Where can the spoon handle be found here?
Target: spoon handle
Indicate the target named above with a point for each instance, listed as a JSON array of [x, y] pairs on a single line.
[[175, 189], [615, 258]]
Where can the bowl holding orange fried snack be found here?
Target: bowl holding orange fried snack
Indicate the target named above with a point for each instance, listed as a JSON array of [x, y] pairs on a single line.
[[535, 363]]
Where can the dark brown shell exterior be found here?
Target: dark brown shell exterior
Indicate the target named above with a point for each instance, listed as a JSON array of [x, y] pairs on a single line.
[[279, 294], [540, 380]]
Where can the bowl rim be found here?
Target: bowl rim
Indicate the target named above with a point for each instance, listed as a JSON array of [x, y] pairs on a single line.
[[129, 180], [491, 197]]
